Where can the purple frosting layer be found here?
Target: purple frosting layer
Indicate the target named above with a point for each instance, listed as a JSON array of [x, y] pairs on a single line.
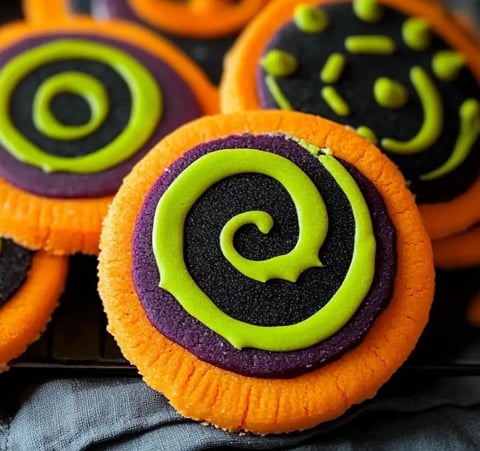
[[167, 315], [179, 106]]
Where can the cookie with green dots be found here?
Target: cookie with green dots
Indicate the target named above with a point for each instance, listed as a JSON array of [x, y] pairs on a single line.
[[402, 74], [265, 270], [81, 104], [30, 287]]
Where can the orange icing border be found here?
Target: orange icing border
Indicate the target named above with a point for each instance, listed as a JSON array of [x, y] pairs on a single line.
[[231, 401], [66, 226], [25, 315], [238, 88]]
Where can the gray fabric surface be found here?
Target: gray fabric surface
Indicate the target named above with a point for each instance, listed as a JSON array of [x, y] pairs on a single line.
[[410, 413]]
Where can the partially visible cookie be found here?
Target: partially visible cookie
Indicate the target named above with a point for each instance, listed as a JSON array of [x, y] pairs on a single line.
[[30, 287], [54, 10], [265, 270], [461, 250], [403, 74], [81, 104]]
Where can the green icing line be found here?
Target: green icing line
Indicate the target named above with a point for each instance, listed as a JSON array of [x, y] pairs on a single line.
[[469, 132], [279, 63], [76, 83], [432, 116], [446, 64], [389, 93], [416, 33], [144, 117], [167, 241], [367, 10], [332, 69], [310, 19], [367, 133], [276, 92], [370, 44], [335, 101]]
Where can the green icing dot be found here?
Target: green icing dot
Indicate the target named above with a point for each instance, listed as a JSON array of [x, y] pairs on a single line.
[[310, 19], [168, 246], [279, 63], [446, 64], [145, 113], [416, 33], [367, 133], [389, 93], [76, 83], [367, 10]]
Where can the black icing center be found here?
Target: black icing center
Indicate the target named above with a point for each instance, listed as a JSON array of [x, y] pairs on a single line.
[[355, 85]]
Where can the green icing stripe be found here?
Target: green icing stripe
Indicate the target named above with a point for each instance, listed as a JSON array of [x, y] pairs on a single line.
[[367, 10], [335, 101], [370, 45], [416, 34], [469, 132], [310, 19], [432, 107], [167, 241], [276, 92], [76, 83], [144, 117], [333, 68]]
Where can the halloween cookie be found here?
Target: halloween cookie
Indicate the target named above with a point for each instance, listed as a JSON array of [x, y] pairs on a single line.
[[80, 105], [30, 287], [265, 270], [402, 74], [458, 251], [204, 29]]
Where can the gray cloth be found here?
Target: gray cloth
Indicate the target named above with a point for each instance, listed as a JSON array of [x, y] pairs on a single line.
[[410, 413]]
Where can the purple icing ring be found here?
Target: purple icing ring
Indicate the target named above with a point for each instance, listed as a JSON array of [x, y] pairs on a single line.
[[179, 106], [169, 318]]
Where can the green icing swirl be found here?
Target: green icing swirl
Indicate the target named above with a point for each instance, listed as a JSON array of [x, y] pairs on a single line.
[[76, 83], [144, 117], [167, 242]]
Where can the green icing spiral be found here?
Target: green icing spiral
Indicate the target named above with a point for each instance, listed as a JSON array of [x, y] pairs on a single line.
[[145, 113], [211, 168]]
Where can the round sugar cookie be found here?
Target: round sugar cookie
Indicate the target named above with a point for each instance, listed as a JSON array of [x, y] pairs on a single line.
[[203, 29], [265, 270], [403, 74], [30, 287], [81, 104], [460, 250]]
